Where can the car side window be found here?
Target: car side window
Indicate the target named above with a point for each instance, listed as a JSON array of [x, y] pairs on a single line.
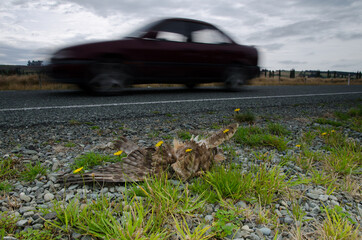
[[170, 36], [174, 31], [207, 34]]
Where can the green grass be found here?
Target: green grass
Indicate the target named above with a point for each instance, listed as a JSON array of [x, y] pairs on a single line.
[[328, 122], [31, 172], [70, 144], [43, 234], [184, 135], [337, 226], [92, 159], [261, 184], [7, 224], [258, 137], [8, 168], [5, 186], [277, 129], [248, 117]]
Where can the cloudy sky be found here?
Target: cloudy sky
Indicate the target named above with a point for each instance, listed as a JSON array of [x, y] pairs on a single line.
[[300, 34]]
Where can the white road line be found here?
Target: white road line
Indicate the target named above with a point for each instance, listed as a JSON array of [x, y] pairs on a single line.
[[174, 101]]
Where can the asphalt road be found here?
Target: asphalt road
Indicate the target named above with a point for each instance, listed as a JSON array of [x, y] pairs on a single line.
[[28, 108]]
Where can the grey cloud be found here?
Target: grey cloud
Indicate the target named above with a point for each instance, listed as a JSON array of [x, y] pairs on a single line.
[[298, 29], [290, 62], [273, 46], [349, 36], [18, 55]]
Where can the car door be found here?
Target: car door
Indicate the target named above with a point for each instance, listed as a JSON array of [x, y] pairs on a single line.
[[162, 52], [210, 49]]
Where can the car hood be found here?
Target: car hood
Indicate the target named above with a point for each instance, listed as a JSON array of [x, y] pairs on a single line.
[[92, 50]]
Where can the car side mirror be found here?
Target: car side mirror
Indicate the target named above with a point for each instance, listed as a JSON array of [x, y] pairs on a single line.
[[150, 35]]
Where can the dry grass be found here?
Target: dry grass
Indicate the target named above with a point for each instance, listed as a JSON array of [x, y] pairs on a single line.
[[31, 82], [303, 81]]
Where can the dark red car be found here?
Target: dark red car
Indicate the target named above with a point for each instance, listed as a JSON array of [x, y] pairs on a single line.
[[181, 51]]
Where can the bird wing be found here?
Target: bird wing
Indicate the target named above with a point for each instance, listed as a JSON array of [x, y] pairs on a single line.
[[135, 167], [221, 136], [126, 145]]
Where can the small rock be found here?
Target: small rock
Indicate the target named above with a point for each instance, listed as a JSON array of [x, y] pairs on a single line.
[[24, 197], [241, 204], [253, 236], [209, 218], [37, 226], [266, 231], [21, 223], [22, 210], [48, 197], [76, 235], [50, 216], [313, 196], [246, 228], [288, 220], [334, 203], [9, 238], [323, 198], [28, 214]]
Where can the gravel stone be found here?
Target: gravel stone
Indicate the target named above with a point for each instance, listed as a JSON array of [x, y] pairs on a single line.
[[48, 197], [266, 231]]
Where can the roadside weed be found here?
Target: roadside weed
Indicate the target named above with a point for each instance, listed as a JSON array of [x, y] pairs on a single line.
[[337, 226], [92, 159], [256, 137], [5, 186], [248, 117], [33, 234], [328, 122], [184, 135], [8, 168], [226, 223], [345, 160], [7, 224], [265, 157], [31, 172], [261, 184], [70, 144], [184, 232], [277, 129]]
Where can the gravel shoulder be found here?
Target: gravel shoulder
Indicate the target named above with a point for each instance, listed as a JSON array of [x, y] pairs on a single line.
[[56, 146]]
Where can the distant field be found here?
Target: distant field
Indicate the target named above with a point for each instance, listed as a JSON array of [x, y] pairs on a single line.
[[42, 82]]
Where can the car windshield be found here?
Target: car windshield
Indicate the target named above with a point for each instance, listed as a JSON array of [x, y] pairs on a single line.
[[142, 30]]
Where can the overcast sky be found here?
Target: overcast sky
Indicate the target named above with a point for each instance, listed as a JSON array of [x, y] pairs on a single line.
[[300, 34]]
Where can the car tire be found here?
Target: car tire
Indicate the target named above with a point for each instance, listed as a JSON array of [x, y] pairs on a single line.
[[235, 78], [190, 85], [107, 78]]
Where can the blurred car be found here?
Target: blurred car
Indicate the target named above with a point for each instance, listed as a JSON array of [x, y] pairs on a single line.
[[180, 51]]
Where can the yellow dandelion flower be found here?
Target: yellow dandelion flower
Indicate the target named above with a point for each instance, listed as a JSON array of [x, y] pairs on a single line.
[[237, 110], [118, 153], [78, 170], [226, 130], [324, 133], [333, 131], [159, 143], [298, 145], [188, 150]]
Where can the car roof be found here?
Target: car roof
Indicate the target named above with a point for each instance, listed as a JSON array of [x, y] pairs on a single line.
[[187, 20]]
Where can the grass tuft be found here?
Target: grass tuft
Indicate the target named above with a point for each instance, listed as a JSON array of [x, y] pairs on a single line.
[[31, 172], [256, 137], [248, 117], [91, 159]]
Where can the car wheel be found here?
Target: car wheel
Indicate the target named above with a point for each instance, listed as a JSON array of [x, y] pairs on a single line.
[[234, 79], [190, 85], [107, 78]]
